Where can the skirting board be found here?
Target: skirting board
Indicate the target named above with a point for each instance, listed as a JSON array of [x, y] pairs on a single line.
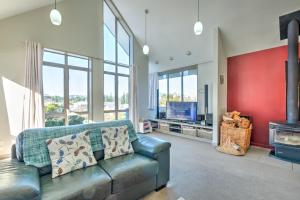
[[4, 156]]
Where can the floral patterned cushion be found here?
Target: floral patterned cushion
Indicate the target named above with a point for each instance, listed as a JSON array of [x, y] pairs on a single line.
[[116, 141], [70, 153]]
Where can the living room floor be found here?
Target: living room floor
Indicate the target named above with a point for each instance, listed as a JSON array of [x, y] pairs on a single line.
[[198, 171]]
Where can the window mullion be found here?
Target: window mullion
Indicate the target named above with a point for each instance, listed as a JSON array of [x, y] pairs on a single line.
[[116, 65], [168, 87], [181, 75], [89, 93], [66, 91], [116, 95]]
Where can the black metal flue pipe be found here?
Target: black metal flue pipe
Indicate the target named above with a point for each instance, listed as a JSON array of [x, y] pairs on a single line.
[[293, 73]]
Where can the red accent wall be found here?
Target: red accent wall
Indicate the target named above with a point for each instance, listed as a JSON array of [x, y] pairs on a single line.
[[256, 87]]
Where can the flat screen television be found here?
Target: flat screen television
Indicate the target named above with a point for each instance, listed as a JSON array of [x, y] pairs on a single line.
[[185, 111]]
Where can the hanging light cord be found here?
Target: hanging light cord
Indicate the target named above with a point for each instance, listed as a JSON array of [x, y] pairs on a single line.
[[198, 11], [55, 4], [146, 12]]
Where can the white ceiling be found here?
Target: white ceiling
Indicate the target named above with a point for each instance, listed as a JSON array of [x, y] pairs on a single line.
[[246, 26], [10, 8]]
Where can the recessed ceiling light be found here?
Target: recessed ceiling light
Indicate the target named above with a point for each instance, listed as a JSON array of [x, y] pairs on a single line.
[[188, 53]]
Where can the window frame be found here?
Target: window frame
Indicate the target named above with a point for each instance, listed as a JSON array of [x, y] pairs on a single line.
[[66, 72], [181, 71], [116, 64]]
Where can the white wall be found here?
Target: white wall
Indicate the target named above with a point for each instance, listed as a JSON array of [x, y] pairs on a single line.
[[205, 77], [141, 61], [219, 90], [222, 71], [81, 32]]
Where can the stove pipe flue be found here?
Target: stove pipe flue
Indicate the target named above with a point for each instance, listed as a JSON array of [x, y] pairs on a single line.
[[293, 73], [289, 28]]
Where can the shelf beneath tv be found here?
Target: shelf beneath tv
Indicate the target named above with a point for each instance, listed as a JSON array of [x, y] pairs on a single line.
[[185, 136], [183, 123], [184, 129]]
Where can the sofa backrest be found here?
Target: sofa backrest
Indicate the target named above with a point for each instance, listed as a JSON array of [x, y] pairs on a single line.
[[32, 149]]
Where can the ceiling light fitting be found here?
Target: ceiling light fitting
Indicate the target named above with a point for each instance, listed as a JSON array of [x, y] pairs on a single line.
[[198, 27], [146, 47], [188, 53], [55, 16]]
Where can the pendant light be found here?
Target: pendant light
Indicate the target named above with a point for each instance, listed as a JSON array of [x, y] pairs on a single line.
[[146, 47], [198, 27], [55, 16]]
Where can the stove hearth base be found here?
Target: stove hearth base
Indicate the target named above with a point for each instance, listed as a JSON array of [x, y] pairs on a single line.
[[285, 138], [286, 154]]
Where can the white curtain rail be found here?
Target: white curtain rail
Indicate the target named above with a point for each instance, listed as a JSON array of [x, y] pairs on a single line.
[[71, 52]]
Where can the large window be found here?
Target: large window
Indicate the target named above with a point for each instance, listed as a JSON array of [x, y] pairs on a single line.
[[116, 67], [175, 89], [163, 91], [189, 79], [66, 83], [180, 85]]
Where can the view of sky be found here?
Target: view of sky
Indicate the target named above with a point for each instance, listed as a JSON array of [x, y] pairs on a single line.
[[53, 81], [53, 77], [190, 85], [175, 86], [78, 82]]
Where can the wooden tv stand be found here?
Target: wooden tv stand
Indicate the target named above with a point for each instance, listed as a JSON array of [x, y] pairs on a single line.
[[183, 129]]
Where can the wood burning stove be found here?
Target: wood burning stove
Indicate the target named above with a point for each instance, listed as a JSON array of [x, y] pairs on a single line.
[[285, 136]]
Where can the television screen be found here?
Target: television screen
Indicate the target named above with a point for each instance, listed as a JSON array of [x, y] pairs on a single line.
[[182, 111]]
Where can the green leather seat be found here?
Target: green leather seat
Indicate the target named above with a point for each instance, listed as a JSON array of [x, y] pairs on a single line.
[[18, 181], [129, 170], [128, 177], [89, 183]]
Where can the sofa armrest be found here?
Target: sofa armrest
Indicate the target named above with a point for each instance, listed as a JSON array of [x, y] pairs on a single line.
[[150, 146], [18, 181], [158, 150], [13, 152]]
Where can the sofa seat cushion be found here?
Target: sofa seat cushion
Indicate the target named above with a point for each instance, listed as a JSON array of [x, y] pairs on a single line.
[[18, 181], [88, 183], [129, 170]]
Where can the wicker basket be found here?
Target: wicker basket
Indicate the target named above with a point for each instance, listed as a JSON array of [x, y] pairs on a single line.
[[240, 136]]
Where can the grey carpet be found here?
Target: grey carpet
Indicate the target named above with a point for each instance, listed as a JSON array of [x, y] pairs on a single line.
[[199, 172]]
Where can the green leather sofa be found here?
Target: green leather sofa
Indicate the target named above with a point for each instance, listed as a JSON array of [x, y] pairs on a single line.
[[126, 177]]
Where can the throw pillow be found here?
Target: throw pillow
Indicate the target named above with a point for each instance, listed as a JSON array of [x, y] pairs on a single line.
[[116, 141], [70, 153]]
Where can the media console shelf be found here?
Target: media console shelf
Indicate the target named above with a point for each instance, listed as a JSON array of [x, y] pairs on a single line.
[[183, 129]]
